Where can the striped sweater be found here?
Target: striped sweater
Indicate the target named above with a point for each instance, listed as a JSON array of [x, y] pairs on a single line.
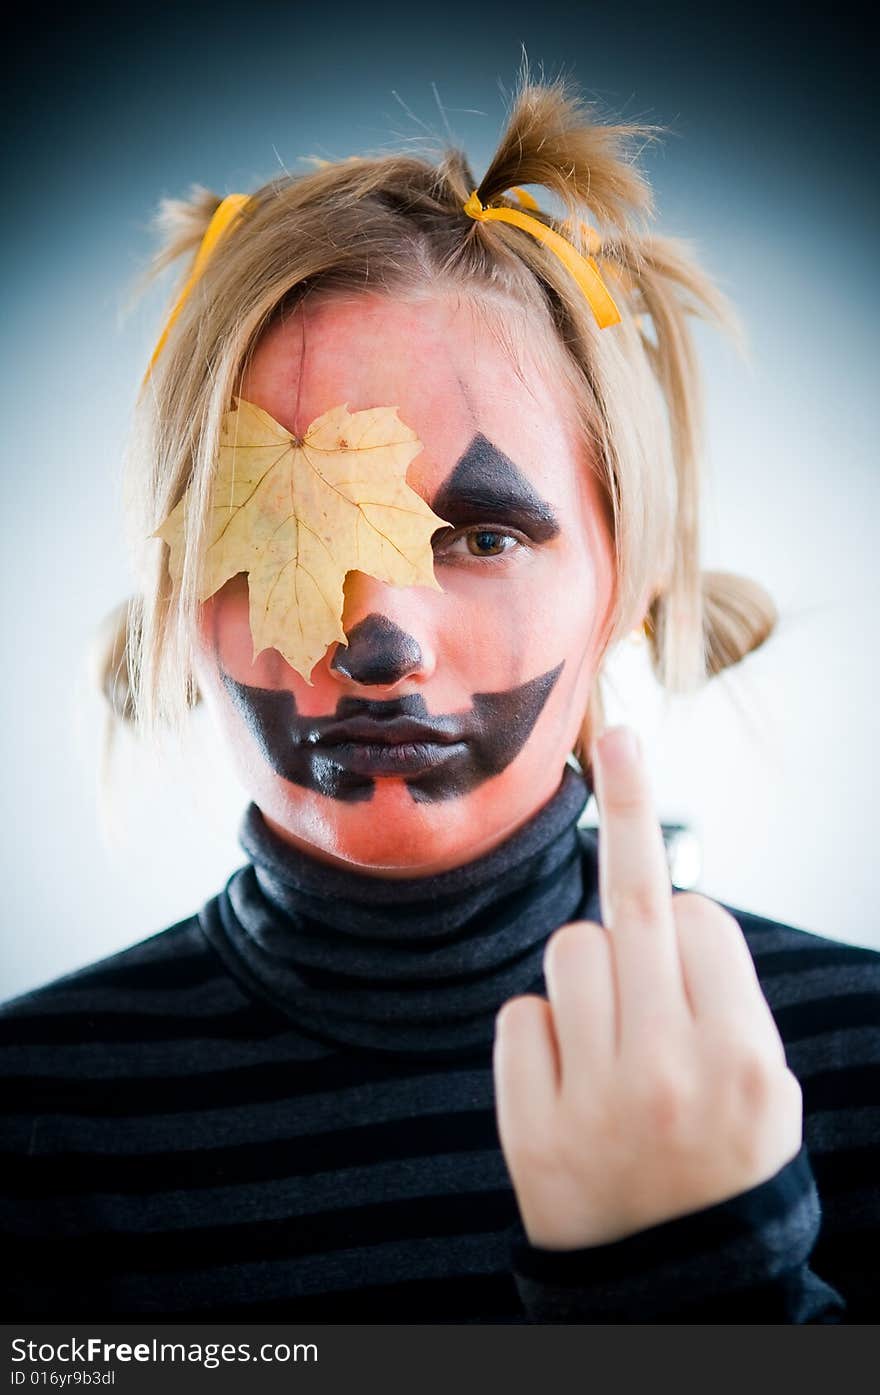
[[282, 1108]]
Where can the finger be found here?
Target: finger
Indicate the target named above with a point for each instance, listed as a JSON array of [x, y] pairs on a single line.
[[526, 1068], [636, 892], [720, 977], [580, 984]]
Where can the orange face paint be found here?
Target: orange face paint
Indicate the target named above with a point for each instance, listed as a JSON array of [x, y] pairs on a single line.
[[500, 658]]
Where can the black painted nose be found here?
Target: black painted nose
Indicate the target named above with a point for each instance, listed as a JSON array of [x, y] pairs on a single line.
[[378, 652]]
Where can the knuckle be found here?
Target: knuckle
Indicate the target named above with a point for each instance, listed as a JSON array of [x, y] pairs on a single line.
[[575, 937], [762, 1083], [517, 1015], [626, 798], [699, 919], [690, 904], [664, 1097], [731, 1055], [791, 1090], [755, 1077], [692, 909], [576, 932], [639, 905]]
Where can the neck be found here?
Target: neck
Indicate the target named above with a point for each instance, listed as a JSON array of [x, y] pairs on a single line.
[[419, 964]]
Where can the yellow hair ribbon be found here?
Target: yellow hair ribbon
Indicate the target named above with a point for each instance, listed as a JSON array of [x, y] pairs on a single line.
[[584, 269], [594, 242], [224, 214], [525, 198], [592, 238]]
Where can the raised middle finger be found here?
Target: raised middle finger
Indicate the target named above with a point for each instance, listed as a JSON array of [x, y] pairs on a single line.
[[636, 893]]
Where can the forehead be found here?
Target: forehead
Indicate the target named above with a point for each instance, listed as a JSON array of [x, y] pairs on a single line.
[[452, 369]]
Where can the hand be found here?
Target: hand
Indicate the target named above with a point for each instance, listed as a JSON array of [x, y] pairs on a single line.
[[654, 1082]]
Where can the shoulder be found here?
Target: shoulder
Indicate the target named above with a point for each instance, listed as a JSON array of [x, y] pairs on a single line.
[[155, 996], [794, 965], [116, 1038], [803, 970], [824, 994], [825, 998], [171, 958]]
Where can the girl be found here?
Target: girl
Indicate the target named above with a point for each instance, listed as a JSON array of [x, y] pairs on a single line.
[[412, 456]]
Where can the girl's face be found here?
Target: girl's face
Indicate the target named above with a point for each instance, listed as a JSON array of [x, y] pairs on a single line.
[[462, 703]]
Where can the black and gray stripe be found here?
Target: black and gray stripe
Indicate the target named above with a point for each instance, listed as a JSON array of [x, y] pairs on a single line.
[[283, 1108]]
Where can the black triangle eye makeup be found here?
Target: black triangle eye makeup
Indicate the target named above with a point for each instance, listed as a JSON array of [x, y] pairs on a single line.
[[485, 484]]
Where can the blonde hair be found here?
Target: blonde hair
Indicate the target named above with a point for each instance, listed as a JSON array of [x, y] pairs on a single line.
[[394, 224]]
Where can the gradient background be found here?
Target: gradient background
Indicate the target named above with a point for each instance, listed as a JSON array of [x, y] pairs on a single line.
[[769, 167]]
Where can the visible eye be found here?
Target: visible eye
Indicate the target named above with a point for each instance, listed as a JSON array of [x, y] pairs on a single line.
[[488, 543]]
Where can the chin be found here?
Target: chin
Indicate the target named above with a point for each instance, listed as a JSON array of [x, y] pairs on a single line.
[[389, 834]]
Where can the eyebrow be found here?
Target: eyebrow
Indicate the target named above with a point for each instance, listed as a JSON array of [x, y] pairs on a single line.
[[485, 483]]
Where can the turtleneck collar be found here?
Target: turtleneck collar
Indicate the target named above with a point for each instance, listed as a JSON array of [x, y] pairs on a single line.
[[419, 965]]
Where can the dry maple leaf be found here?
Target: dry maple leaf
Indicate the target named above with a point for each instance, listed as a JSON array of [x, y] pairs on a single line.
[[298, 514]]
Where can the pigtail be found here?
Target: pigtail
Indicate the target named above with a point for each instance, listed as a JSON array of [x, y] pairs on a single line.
[[698, 623], [179, 226], [111, 659], [552, 139], [130, 638], [738, 616]]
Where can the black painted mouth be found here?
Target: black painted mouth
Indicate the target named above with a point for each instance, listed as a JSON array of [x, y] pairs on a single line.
[[392, 730], [390, 757], [439, 757]]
